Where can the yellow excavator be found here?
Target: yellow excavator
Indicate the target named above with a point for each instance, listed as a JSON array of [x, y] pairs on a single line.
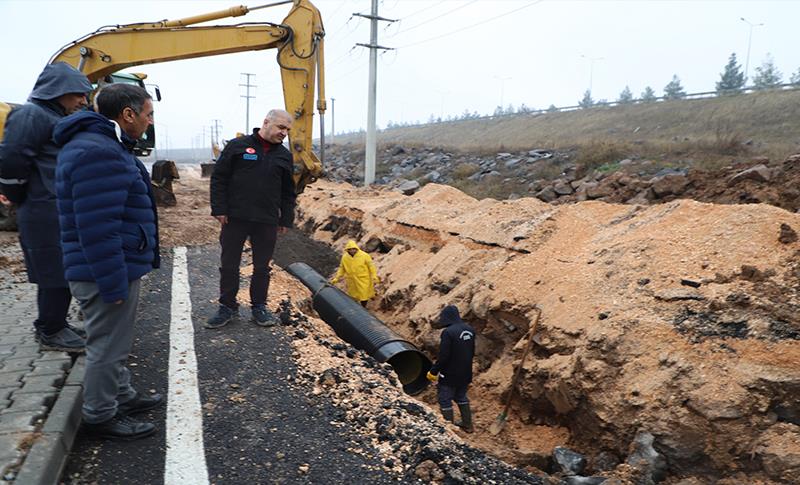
[[298, 40]]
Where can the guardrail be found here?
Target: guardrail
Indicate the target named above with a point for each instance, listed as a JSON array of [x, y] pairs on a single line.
[[607, 104]]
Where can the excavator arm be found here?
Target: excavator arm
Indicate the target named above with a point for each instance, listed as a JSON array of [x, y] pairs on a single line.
[[298, 39]]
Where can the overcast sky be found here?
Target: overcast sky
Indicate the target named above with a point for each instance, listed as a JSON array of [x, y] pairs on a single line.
[[449, 56]]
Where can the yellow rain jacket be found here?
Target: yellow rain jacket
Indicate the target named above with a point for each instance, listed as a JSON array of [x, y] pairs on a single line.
[[359, 273]]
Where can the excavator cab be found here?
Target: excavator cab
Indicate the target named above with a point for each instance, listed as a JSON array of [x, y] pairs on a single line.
[[145, 144]]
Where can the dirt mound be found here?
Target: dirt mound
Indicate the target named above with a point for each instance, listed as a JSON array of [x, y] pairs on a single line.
[[678, 320]]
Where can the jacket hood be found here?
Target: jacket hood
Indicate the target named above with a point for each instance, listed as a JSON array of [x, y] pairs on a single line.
[[57, 80], [81, 121], [350, 245], [449, 316]]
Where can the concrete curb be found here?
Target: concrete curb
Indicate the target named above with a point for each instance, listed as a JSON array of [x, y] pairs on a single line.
[[46, 459]]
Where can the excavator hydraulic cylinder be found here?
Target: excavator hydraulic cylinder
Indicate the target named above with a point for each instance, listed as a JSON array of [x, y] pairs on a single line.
[[355, 325]]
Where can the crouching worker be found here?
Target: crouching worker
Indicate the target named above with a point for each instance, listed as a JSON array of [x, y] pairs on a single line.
[[453, 368], [359, 273]]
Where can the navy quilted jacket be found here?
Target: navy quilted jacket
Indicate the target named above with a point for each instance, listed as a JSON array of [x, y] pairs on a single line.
[[109, 231]]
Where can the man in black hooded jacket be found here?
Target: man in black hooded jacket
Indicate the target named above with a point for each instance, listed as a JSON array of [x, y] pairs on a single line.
[[27, 178], [453, 368]]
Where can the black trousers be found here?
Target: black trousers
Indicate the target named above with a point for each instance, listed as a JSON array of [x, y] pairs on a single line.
[[232, 238], [53, 306]]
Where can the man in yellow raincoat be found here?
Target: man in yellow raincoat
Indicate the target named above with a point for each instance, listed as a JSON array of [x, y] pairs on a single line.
[[359, 273]]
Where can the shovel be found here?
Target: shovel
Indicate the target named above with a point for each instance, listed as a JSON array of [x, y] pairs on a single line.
[[500, 422]]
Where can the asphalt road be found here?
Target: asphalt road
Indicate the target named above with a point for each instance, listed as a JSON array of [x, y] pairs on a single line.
[[259, 425]]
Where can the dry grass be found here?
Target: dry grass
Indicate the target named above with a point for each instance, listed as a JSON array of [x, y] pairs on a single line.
[[702, 128]]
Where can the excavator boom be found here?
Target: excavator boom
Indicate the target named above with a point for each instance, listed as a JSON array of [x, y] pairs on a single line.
[[298, 39]]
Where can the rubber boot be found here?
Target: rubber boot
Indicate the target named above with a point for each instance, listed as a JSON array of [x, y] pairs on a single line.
[[447, 414], [466, 418]]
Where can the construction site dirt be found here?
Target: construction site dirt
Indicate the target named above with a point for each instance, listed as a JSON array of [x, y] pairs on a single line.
[[668, 348]]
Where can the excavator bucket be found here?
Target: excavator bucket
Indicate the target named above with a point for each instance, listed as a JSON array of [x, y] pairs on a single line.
[[162, 175]]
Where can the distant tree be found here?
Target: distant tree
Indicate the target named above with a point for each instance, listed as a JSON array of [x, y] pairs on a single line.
[[767, 75], [732, 78], [795, 79], [523, 109], [648, 95], [509, 109], [674, 90], [552, 108], [587, 100], [626, 96], [498, 111], [431, 119]]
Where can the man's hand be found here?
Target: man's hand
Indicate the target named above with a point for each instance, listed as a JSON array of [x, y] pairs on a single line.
[[431, 377], [222, 219], [282, 230], [119, 302], [4, 200]]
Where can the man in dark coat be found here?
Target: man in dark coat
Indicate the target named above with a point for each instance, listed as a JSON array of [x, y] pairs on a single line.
[[252, 196], [453, 368], [27, 177], [109, 234]]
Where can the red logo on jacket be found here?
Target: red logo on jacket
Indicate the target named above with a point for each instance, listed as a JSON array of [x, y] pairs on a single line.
[[250, 150]]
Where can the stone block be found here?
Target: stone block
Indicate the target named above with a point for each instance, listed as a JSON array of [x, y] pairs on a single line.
[[48, 368], [12, 380], [12, 339], [10, 454], [40, 384], [45, 461], [14, 365], [30, 402], [19, 422]]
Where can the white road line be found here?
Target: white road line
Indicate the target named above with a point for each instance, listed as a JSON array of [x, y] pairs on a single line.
[[186, 457]]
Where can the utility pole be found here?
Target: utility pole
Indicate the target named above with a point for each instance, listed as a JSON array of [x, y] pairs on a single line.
[[749, 41], [591, 67], [215, 132], [248, 98], [371, 148], [333, 119]]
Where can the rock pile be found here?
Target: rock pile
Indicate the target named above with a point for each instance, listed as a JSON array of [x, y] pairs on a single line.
[[553, 176]]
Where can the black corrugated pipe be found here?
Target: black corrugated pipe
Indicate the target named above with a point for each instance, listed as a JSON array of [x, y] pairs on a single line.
[[355, 325]]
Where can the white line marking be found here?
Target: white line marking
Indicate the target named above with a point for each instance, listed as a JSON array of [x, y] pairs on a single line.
[[186, 457]]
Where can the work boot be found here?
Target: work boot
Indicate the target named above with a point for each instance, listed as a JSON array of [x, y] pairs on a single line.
[[447, 414], [466, 418], [65, 340], [120, 427], [140, 404], [223, 316], [78, 330], [263, 317]]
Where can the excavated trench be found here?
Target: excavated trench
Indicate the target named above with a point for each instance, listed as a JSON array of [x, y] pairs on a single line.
[[498, 332], [673, 326]]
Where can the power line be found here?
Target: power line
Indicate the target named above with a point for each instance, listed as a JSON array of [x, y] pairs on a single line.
[[434, 18], [482, 22], [422, 10]]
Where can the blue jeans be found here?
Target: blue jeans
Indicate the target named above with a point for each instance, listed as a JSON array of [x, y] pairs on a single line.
[[448, 394]]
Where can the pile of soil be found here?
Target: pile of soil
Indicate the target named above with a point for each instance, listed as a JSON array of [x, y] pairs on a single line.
[[679, 320]]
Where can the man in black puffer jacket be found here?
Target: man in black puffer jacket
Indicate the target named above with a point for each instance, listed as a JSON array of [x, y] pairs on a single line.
[[453, 368], [252, 195], [27, 178]]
